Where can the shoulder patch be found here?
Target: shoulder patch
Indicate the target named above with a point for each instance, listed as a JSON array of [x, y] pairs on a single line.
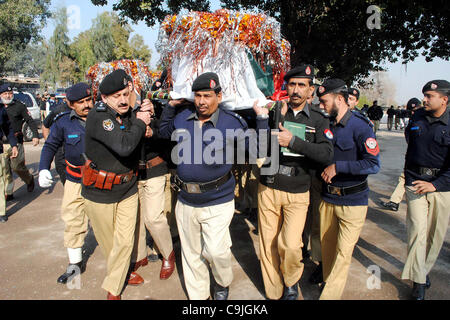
[[328, 134], [372, 146], [59, 115]]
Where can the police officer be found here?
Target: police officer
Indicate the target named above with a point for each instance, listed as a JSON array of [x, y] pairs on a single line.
[[427, 181], [283, 198], [375, 113], [60, 164], [69, 131], [18, 114], [5, 130], [397, 196], [109, 182], [153, 171], [345, 193], [353, 98], [205, 204]]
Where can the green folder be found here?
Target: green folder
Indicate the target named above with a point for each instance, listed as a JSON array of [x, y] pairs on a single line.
[[298, 130]]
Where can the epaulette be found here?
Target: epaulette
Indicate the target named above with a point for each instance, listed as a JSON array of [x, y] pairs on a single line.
[[60, 115], [100, 106], [362, 117], [316, 108], [237, 116]]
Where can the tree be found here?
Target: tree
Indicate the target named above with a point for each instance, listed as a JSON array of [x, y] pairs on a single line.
[[21, 22], [29, 61], [334, 35], [139, 50]]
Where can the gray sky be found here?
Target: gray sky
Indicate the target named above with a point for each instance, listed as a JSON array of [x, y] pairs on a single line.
[[409, 79]]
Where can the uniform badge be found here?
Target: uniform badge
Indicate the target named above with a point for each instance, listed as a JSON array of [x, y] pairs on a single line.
[[108, 125], [321, 89], [308, 71], [434, 86], [125, 81], [88, 92], [372, 146], [328, 134], [212, 84], [355, 93]]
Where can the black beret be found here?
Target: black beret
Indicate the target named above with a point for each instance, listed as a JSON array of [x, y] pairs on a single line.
[[206, 82], [413, 104], [303, 71], [5, 87], [115, 81], [78, 91], [442, 86], [331, 86], [354, 92], [52, 95]]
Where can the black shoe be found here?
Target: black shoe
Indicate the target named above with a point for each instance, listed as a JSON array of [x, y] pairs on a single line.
[[3, 219], [418, 292], [153, 257], [221, 293], [9, 197], [290, 293], [30, 187], [390, 205], [72, 269], [317, 275], [428, 283]]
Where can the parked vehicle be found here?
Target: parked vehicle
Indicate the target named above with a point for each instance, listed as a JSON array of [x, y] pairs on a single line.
[[35, 112]]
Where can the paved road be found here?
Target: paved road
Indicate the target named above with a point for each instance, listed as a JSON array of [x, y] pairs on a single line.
[[32, 255]]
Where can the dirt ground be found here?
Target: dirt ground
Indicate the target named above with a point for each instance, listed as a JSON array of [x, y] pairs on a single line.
[[32, 255]]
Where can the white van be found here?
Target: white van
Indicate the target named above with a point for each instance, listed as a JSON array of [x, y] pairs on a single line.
[[28, 99]]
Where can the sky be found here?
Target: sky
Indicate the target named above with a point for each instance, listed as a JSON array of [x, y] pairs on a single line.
[[408, 79]]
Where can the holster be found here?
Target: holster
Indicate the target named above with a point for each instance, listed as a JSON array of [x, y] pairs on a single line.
[[88, 173]]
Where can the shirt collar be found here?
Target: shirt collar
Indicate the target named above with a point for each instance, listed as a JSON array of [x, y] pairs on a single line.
[[214, 117], [305, 109], [345, 118], [444, 118]]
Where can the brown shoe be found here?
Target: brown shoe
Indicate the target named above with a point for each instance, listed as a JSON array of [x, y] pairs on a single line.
[[30, 187], [135, 279], [167, 267], [140, 263], [112, 297]]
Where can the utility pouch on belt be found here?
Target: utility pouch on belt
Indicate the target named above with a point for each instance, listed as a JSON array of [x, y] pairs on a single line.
[[88, 173]]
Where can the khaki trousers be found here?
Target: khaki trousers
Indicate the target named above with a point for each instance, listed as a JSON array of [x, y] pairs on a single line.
[[426, 224], [311, 232], [376, 125], [397, 195], [114, 225], [281, 218], [205, 240], [74, 216], [3, 161], [152, 216], [18, 166], [246, 190], [340, 227]]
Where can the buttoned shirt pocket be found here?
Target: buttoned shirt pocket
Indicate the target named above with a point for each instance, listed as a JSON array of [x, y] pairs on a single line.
[[345, 144], [73, 139], [442, 137]]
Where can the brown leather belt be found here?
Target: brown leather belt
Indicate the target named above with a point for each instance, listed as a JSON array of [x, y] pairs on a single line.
[[74, 171], [154, 162], [103, 179]]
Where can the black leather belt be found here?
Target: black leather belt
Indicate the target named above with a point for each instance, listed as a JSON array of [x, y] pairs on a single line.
[[344, 191], [287, 171], [191, 187], [432, 172]]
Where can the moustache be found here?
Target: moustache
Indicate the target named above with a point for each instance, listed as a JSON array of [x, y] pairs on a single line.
[[295, 95]]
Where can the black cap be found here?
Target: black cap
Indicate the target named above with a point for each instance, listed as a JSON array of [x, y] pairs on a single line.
[[413, 104], [354, 92], [115, 81], [5, 87], [442, 86], [206, 82], [52, 95], [331, 86], [303, 71], [78, 91]]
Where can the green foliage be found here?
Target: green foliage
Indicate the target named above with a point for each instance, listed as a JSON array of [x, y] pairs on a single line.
[[20, 22], [333, 34]]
